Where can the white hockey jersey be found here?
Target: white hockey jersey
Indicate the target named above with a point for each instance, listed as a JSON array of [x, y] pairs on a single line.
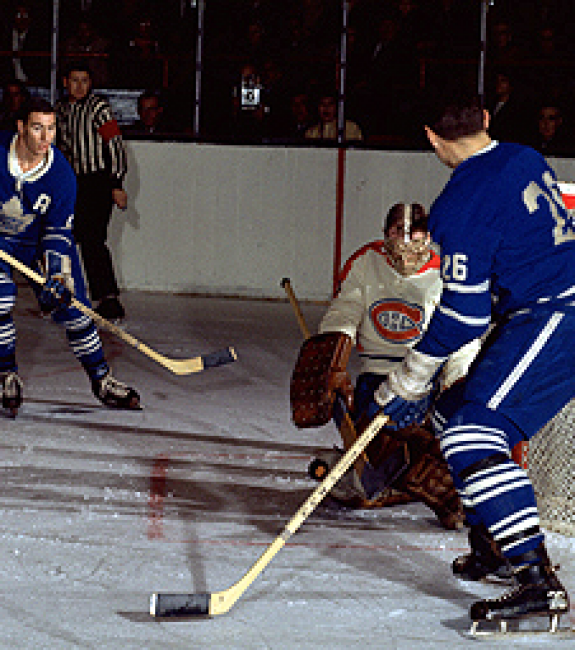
[[386, 313]]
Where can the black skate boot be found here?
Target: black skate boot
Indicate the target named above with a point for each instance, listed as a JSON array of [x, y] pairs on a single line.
[[115, 394], [484, 560], [12, 387], [538, 593]]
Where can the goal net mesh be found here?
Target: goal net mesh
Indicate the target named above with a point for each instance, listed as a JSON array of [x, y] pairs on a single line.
[[551, 468]]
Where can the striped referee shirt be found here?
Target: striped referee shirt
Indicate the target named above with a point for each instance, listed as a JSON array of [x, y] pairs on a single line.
[[90, 138]]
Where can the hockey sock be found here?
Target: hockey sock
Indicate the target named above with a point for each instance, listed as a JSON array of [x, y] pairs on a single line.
[[85, 343], [8, 363], [476, 444], [7, 343]]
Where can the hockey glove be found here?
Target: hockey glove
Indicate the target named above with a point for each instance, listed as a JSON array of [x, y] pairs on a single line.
[[54, 295], [319, 377], [59, 286], [408, 392]]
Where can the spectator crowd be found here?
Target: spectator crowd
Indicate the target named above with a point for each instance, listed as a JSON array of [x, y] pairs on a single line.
[[271, 71]]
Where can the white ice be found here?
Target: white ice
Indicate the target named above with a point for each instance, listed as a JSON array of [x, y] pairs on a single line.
[[100, 508]]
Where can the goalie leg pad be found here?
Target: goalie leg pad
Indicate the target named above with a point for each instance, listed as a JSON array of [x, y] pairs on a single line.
[[320, 373], [425, 477], [409, 460], [429, 478]]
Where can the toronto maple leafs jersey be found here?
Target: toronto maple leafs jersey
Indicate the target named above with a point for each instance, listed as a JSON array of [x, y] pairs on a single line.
[[36, 207], [503, 230], [386, 313]]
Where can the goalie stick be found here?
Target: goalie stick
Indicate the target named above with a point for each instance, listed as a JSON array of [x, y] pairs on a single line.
[[220, 602], [286, 284], [177, 366]]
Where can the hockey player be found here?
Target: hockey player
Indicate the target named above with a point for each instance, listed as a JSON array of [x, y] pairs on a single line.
[[37, 194], [388, 292], [503, 229]]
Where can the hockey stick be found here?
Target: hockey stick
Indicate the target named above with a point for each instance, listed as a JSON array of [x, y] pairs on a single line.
[[347, 427], [286, 284], [177, 366], [220, 602]]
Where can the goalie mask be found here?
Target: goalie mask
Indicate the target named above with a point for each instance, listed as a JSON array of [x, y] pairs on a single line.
[[407, 240]]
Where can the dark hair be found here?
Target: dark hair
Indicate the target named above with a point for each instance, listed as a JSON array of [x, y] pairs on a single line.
[[418, 217], [34, 105], [77, 66], [455, 114]]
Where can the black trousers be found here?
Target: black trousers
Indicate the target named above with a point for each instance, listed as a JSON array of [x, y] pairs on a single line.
[[91, 219]]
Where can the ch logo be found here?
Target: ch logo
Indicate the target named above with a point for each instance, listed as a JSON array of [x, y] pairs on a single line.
[[397, 321]]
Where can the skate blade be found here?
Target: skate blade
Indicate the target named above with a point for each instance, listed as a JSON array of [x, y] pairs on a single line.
[[505, 629], [10, 412]]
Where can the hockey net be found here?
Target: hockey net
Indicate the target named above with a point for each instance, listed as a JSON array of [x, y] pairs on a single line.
[[549, 459]]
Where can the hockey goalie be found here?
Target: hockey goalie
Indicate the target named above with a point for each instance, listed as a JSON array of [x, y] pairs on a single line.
[[387, 295]]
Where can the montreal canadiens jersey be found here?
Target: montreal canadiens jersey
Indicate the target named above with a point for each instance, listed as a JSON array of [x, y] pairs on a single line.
[[36, 207], [504, 232], [384, 312]]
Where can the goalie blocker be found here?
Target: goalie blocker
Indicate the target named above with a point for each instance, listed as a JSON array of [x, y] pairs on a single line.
[[408, 460]]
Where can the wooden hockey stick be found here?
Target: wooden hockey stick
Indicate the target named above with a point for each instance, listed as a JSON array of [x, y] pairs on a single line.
[[286, 284], [347, 427], [177, 366], [220, 602]]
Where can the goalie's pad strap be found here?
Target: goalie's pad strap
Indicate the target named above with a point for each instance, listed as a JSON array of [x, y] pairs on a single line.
[[319, 373]]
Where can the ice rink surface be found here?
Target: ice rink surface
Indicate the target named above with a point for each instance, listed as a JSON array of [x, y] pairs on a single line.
[[100, 508]]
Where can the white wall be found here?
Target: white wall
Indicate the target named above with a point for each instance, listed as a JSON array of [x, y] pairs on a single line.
[[235, 220]]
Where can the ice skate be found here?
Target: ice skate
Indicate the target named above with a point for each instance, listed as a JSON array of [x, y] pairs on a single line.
[[538, 593], [485, 559], [115, 394], [12, 387]]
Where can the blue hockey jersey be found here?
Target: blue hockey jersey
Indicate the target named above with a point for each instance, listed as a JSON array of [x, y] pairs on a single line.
[[36, 207], [504, 232]]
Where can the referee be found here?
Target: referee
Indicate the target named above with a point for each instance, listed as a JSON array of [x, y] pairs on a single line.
[[90, 138]]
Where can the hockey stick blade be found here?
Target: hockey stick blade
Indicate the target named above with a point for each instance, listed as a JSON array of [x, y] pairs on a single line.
[[196, 605], [177, 366], [179, 605], [219, 358]]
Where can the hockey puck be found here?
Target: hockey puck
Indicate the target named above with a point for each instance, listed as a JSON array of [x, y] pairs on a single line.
[[318, 469]]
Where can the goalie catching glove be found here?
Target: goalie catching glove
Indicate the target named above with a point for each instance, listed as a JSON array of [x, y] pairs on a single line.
[[58, 289], [408, 392], [318, 377]]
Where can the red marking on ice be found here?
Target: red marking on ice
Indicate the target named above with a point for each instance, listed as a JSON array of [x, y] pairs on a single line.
[[156, 499]]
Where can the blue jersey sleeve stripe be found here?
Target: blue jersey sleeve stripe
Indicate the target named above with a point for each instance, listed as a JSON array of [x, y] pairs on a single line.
[[467, 288], [466, 320]]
